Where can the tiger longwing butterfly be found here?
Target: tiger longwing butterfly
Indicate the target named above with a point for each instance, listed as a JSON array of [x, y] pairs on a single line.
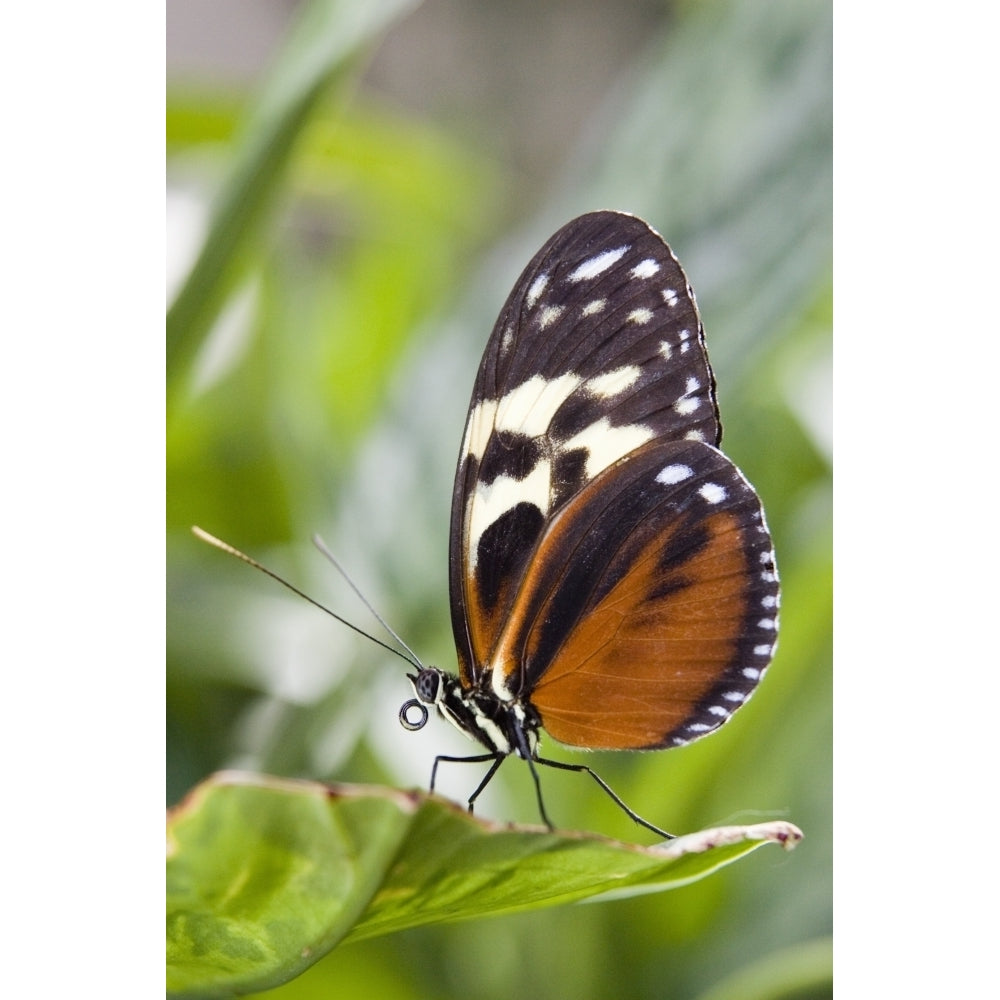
[[612, 576]]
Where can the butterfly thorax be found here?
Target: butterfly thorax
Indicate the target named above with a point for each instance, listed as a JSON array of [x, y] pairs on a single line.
[[503, 727]]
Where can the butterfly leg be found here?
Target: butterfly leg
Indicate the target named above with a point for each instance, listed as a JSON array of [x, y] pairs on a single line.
[[607, 788], [538, 791], [525, 750], [497, 758]]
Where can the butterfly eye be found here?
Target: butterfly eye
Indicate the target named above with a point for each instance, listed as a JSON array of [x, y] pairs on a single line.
[[404, 715], [427, 685]]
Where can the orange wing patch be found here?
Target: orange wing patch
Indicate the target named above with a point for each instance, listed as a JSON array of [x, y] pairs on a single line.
[[638, 663]]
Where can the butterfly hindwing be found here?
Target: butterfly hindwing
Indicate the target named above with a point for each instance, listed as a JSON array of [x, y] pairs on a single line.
[[648, 614], [597, 353]]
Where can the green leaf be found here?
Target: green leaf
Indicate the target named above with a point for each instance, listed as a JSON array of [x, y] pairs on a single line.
[[320, 53], [267, 875]]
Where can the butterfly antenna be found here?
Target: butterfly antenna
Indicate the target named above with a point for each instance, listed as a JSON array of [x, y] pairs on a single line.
[[321, 545], [226, 547]]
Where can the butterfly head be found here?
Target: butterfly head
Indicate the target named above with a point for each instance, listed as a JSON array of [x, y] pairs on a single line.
[[429, 685], [500, 727]]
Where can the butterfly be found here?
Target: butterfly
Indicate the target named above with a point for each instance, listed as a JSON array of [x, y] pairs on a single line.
[[612, 577]]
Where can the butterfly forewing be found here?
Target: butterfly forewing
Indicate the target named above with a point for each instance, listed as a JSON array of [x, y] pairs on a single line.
[[597, 352]]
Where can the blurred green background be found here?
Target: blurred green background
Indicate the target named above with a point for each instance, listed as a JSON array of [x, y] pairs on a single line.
[[353, 187]]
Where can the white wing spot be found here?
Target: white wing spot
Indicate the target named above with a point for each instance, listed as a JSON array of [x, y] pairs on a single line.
[[666, 350], [529, 408], [640, 316], [718, 710], [613, 383], [688, 403], [751, 673], [763, 650], [698, 727], [479, 427], [594, 306], [536, 289], [645, 268], [606, 444], [671, 474], [713, 492], [769, 601], [549, 315], [669, 296], [597, 265], [694, 436], [766, 623], [737, 696]]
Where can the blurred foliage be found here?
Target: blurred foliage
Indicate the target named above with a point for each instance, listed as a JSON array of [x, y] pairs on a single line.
[[319, 373]]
